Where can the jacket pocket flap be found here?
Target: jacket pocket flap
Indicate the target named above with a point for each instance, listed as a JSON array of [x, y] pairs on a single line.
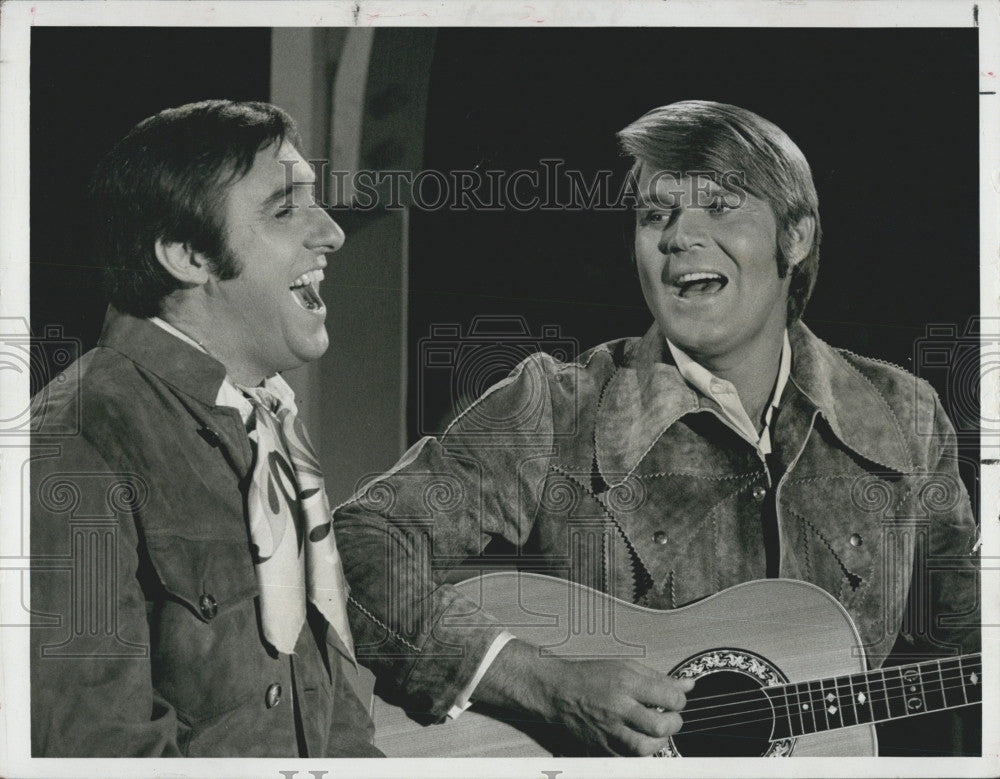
[[208, 575]]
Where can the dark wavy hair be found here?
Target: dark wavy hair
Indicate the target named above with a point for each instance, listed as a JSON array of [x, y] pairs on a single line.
[[167, 179], [699, 135]]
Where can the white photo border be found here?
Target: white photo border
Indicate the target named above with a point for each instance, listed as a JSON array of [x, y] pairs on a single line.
[[18, 16]]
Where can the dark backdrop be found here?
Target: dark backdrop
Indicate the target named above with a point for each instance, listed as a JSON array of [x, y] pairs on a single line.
[[887, 118], [89, 86]]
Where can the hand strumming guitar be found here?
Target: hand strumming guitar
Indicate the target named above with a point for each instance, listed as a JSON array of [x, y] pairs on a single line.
[[608, 703]]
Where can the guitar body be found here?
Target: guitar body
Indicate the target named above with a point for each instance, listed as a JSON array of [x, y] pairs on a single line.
[[754, 635]]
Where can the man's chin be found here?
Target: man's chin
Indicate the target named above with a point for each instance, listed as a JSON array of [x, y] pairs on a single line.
[[310, 350], [318, 349], [695, 334]]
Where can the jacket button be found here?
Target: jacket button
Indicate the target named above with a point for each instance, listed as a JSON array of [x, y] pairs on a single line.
[[273, 696], [856, 540], [660, 537], [759, 493], [208, 607]]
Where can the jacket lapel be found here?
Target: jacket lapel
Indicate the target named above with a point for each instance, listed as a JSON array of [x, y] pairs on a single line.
[[642, 399], [857, 413], [194, 375], [647, 394]]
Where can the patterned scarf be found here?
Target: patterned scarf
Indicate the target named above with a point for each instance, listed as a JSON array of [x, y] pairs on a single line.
[[291, 528]]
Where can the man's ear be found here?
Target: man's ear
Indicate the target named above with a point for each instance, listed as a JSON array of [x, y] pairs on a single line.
[[182, 262], [799, 240]]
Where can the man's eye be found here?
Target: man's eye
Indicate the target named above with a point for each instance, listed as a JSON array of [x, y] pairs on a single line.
[[284, 212], [720, 205], [653, 217]]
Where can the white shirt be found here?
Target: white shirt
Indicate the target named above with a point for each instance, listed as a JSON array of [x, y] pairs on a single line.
[[724, 393]]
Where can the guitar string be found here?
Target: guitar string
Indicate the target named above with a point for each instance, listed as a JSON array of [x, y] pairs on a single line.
[[787, 710], [970, 663], [869, 704], [894, 693], [891, 686], [803, 731], [893, 698]]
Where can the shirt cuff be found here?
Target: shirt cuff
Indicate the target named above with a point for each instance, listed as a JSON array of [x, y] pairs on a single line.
[[463, 702]]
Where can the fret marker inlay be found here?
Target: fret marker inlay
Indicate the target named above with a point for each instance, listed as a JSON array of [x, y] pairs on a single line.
[[974, 678], [862, 697], [832, 709]]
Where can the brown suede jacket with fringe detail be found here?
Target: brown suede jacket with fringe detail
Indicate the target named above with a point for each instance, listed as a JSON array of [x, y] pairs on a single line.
[[613, 472]]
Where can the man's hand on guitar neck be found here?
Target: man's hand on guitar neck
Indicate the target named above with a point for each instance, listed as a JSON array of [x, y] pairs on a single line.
[[607, 703]]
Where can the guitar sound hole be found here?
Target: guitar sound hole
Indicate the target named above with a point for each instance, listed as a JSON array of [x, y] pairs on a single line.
[[711, 729]]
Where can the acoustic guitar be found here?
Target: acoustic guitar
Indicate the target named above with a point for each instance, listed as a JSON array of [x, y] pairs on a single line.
[[779, 664]]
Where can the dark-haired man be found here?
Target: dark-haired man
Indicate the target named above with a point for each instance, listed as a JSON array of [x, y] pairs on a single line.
[[190, 595], [749, 447]]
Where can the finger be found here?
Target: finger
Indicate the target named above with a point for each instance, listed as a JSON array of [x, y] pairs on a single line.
[[622, 741], [650, 746], [664, 693], [651, 722], [643, 746]]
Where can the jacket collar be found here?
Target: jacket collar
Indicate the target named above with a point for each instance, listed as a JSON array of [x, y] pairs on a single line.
[[647, 394], [179, 364], [854, 409], [643, 398]]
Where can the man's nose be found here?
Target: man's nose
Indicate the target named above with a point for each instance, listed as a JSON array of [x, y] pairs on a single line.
[[325, 235], [684, 231]]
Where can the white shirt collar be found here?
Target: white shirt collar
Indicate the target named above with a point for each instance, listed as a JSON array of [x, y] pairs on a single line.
[[177, 333], [724, 393]]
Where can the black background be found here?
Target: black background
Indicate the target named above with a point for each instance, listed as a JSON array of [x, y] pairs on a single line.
[[90, 86]]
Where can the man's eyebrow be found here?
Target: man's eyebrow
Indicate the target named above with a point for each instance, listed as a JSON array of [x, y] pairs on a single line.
[[645, 201], [284, 194]]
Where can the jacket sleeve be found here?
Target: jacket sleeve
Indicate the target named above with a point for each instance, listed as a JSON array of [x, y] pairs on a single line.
[[442, 503], [945, 586], [91, 689], [943, 613]]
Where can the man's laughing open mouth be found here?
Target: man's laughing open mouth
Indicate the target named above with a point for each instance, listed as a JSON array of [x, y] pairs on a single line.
[[305, 290], [690, 285]]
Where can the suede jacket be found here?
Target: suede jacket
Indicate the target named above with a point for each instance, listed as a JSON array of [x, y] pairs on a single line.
[[613, 472], [146, 640]]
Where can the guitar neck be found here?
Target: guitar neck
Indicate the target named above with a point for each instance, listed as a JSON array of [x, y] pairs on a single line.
[[884, 694]]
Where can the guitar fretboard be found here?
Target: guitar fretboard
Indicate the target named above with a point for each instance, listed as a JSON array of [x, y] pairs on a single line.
[[802, 708]]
